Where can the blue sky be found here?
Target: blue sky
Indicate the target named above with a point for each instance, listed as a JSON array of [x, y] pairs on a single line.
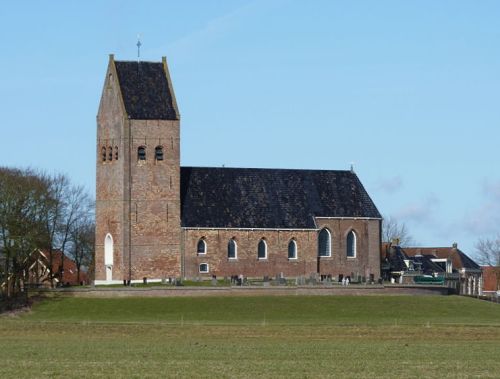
[[409, 91]]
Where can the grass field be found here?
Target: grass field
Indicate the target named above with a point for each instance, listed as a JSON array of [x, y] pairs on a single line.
[[272, 337]]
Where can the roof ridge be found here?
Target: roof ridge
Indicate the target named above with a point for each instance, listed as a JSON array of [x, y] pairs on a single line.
[[267, 168], [121, 61]]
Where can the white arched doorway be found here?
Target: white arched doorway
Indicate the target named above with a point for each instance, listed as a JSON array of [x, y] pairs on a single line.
[[108, 257]]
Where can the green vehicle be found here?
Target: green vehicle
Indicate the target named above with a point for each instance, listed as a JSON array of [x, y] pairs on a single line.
[[427, 279]]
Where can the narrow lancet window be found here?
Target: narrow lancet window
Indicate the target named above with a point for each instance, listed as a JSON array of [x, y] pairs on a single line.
[[262, 249], [232, 249], [202, 246], [351, 244], [292, 249]]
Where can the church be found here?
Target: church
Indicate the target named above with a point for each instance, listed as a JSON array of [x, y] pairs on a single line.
[[158, 220]]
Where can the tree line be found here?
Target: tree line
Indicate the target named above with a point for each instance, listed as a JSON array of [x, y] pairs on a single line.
[[41, 212]]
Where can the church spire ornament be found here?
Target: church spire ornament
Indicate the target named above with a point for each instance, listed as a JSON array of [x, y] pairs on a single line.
[[138, 44]]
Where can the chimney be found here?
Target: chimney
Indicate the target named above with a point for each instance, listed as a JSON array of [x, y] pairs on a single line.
[[455, 245]]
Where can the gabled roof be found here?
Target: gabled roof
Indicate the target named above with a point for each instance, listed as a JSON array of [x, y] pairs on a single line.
[[269, 198], [458, 258], [397, 256], [146, 92]]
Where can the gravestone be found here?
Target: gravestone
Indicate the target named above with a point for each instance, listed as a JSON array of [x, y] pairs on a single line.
[[265, 281], [328, 281]]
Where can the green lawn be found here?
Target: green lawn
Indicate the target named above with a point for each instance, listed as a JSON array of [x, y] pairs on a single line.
[[280, 336]]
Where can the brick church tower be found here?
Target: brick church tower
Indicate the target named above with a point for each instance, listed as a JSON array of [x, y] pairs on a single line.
[[138, 226]]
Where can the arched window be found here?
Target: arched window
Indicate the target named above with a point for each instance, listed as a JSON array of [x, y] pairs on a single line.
[[351, 244], [324, 243], [141, 153], [159, 153], [110, 153], [203, 268], [202, 246], [116, 153], [262, 249], [292, 249], [232, 249], [108, 257], [103, 154], [108, 250]]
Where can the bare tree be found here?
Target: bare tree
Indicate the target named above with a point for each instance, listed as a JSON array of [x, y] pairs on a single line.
[[67, 203], [488, 254], [37, 212], [488, 251], [82, 236], [22, 197], [393, 229]]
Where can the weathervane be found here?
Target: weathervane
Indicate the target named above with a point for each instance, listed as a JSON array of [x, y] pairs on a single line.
[[139, 44]]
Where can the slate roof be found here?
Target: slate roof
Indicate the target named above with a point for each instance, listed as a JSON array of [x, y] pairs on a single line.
[[458, 258], [396, 259], [269, 198], [145, 90]]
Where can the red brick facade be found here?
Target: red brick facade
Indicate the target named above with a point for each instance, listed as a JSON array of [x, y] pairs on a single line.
[[365, 263], [137, 201], [138, 207], [491, 278]]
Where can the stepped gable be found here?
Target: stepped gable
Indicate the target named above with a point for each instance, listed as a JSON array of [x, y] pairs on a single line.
[[269, 198]]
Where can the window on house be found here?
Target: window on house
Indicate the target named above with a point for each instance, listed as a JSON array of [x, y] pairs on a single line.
[[351, 244], [103, 154], [110, 153], [262, 249], [159, 153], [202, 246], [232, 249], [116, 153], [324, 243], [292, 249], [203, 268], [141, 153]]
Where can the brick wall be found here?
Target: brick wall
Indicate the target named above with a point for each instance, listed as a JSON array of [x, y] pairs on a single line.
[[155, 200], [110, 180], [247, 263], [153, 213]]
